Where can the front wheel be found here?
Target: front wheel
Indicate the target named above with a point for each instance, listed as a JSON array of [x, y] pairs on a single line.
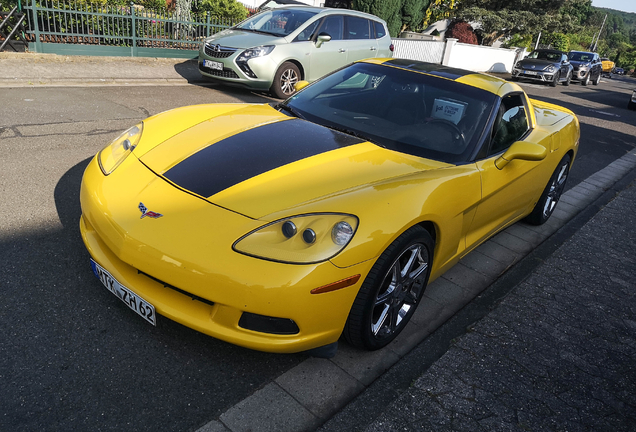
[[557, 77], [391, 291], [286, 77], [551, 194]]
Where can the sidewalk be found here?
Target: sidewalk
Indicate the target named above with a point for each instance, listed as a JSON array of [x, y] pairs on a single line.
[[32, 69], [557, 354]]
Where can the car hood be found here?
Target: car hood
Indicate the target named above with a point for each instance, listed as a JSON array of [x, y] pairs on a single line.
[[255, 161], [243, 39], [538, 64]]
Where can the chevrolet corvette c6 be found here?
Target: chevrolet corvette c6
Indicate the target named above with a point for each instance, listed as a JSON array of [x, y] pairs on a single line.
[[283, 227]]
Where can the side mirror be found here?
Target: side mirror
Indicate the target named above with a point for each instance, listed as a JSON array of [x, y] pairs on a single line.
[[301, 85], [321, 39], [523, 151]]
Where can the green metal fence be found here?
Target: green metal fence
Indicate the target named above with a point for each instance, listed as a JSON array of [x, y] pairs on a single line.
[[79, 28]]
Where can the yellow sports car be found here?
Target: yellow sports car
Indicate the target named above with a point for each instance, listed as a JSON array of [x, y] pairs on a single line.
[[283, 227]]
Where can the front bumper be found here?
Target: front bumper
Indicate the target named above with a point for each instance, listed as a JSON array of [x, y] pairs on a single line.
[[206, 288], [533, 75], [579, 75], [262, 69]]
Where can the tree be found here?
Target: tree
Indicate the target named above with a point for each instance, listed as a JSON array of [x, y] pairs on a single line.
[[400, 15], [504, 18]]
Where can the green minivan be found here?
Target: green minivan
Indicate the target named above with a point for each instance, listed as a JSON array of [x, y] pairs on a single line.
[[276, 48]]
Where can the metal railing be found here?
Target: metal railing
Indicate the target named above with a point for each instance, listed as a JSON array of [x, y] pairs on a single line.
[[97, 25]]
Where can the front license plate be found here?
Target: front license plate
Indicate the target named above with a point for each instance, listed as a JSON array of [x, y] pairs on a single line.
[[136, 303], [530, 72], [213, 65]]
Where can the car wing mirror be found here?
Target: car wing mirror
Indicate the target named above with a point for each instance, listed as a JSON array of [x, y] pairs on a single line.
[[523, 151], [301, 85], [321, 39]]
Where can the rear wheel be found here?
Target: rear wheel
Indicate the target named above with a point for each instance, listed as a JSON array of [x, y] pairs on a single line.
[[597, 80], [287, 75], [391, 291], [568, 79], [551, 194]]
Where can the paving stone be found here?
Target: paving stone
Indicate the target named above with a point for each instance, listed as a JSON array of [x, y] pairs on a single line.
[[320, 386], [365, 366], [270, 409], [513, 243]]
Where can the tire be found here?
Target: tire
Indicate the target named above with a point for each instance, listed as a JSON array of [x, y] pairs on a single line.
[[597, 80], [286, 76], [568, 79], [391, 291], [557, 76], [631, 105], [551, 194], [585, 81]]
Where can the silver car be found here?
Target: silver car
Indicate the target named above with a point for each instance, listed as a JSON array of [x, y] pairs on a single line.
[[279, 47]]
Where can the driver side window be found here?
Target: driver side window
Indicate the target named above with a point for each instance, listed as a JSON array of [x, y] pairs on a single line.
[[511, 124]]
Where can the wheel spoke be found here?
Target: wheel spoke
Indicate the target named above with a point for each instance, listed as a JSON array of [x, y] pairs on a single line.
[[375, 327]]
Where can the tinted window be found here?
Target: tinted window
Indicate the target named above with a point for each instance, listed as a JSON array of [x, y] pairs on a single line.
[[402, 110], [380, 32], [357, 28], [545, 55], [511, 124], [333, 26]]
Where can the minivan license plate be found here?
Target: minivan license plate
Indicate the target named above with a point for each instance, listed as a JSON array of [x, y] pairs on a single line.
[[132, 300], [213, 65]]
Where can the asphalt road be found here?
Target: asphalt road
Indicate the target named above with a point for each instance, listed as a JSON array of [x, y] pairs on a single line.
[[73, 357]]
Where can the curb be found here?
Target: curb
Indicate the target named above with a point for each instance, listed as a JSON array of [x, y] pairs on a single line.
[[311, 393]]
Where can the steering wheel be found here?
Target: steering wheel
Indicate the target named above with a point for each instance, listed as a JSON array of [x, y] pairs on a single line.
[[458, 135]]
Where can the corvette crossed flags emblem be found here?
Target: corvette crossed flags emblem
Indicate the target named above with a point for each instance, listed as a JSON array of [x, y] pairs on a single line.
[[145, 212]]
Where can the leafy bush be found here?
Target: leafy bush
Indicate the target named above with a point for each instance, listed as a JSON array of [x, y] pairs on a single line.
[[559, 41], [519, 41], [462, 31], [230, 9]]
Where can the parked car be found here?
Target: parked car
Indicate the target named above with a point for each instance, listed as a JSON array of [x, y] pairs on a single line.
[[632, 101], [586, 66], [281, 227], [276, 48], [619, 71], [548, 66], [608, 67]]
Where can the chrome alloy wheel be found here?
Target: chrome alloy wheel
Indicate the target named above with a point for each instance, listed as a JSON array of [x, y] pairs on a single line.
[[556, 189], [287, 81], [400, 290]]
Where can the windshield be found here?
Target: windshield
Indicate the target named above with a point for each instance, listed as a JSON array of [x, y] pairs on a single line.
[[401, 110], [545, 55], [276, 22], [581, 56]]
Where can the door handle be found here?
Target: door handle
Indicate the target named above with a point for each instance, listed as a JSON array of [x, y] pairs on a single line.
[[373, 48], [342, 50]]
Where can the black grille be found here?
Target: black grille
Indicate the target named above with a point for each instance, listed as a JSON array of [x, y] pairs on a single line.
[[217, 51], [225, 73]]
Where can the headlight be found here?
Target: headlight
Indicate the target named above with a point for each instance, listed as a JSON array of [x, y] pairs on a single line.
[[114, 153], [303, 239], [518, 65], [550, 68], [260, 51]]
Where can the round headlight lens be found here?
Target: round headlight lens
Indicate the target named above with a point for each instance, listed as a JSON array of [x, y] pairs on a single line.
[[341, 233]]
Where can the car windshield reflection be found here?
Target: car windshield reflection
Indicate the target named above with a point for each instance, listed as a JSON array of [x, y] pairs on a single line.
[[402, 110]]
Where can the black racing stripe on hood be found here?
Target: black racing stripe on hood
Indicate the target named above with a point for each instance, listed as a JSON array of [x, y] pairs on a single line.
[[430, 68], [253, 152]]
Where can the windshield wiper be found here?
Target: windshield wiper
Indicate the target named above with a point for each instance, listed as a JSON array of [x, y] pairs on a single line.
[[355, 134], [290, 110], [256, 31]]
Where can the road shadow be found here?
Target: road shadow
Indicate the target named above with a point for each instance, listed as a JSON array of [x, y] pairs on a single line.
[[74, 357]]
